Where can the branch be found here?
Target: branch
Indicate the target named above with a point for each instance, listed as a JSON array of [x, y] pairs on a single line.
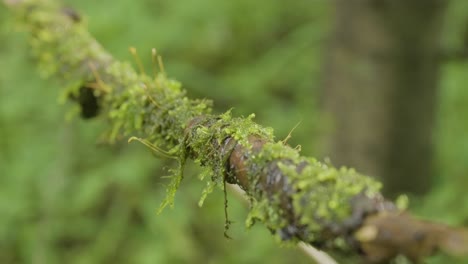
[[297, 198]]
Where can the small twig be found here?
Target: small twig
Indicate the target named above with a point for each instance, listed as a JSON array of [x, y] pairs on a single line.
[[290, 133], [319, 256], [153, 147]]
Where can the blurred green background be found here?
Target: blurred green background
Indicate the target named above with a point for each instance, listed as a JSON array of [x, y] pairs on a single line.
[[66, 198]]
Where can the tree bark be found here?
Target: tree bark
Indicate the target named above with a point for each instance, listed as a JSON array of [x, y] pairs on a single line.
[[380, 89]]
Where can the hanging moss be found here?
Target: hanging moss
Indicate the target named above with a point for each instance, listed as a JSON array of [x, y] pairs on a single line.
[[212, 139], [295, 196]]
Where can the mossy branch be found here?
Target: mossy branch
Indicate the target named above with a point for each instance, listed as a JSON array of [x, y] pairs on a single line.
[[297, 198]]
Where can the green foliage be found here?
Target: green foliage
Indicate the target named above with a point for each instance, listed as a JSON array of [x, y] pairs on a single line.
[[451, 133]]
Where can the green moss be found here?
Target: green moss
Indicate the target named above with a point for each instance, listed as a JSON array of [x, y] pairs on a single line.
[[321, 193], [212, 139], [157, 110], [60, 45]]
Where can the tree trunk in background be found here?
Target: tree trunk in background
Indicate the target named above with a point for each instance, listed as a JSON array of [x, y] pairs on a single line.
[[381, 75]]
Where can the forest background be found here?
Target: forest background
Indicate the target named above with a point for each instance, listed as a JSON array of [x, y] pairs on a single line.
[[67, 198]]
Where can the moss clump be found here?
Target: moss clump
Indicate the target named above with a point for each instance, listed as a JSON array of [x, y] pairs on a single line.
[[292, 192], [211, 140], [155, 109]]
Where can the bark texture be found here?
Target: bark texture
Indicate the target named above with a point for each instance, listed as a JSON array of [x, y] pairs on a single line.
[[380, 89]]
